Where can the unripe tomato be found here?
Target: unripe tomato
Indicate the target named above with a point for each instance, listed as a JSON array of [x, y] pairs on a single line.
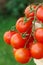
[[8, 35], [27, 11], [39, 13], [39, 35], [37, 50], [17, 41], [22, 26], [22, 55]]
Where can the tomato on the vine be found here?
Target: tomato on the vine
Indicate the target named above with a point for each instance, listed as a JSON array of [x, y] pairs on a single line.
[[39, 13], [8, 35], [22, 55], [17, 41], [39, 35], [23, 26], [37, 50], [26, 37], [28, 12]]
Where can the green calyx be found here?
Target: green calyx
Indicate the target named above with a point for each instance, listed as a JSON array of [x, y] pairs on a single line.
[[24, 35], [25, 19], [31, 9]]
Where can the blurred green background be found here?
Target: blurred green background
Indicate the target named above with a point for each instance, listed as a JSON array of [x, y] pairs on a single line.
[[10, 11]]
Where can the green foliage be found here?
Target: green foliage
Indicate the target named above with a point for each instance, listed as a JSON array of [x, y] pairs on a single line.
[[16, 7]]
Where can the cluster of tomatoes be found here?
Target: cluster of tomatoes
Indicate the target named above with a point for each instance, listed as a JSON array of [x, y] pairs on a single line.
[[27, 42]]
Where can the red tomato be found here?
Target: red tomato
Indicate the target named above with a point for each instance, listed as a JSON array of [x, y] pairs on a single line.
[[22, 55], [40, 13], [28, 13], [23, 27], [39, 35], [8, 35], [37, 50], [17, 41]]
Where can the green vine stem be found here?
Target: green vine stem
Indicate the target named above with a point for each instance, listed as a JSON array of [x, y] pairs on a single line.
[[42, 24], [28, 40], [27, 19]]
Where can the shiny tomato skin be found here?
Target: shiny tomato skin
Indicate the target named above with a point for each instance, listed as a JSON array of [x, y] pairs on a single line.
[[39, 35], [22, 55], [8, 35], [37, 50], [17, 41], [28, 13], [39, 13], [22, 26]]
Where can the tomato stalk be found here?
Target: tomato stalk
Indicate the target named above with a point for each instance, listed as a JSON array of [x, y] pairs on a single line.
[[34, 21], [28, 40], [42, 24], [24, 35], [27, 19], [31, 8]]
